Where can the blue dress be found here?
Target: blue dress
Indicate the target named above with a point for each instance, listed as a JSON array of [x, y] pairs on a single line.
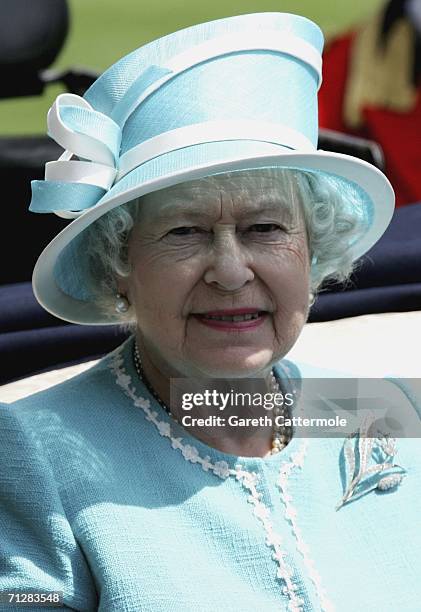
[[106, 500]]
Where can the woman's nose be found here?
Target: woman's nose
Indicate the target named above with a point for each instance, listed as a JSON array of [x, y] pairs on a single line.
[[229, 264]]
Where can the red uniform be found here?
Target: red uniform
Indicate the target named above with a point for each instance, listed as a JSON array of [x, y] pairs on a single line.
[[399, 134]]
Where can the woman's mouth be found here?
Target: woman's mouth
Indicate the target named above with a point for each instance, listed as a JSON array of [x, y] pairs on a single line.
[[234, 320]]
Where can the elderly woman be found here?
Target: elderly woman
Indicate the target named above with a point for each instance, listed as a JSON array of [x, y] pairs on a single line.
[[205, 220]]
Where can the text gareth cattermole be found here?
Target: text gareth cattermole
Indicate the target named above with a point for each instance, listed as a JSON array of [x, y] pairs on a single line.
[[217, 399]]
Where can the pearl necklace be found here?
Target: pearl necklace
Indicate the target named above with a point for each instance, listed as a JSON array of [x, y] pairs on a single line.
[[281, 435]]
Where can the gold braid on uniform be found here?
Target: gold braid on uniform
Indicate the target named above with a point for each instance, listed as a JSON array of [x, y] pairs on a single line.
[[380, 75]]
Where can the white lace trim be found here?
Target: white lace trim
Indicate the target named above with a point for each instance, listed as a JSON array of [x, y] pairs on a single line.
[[273, 539], [291, 515], [249, 481]]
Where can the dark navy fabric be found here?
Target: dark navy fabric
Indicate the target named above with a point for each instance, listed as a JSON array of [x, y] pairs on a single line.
[[34, 341], [388, 277], [394, 298], [19, 310], [396, 258]]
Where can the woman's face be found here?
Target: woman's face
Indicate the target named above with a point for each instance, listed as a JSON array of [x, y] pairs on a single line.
[[223, 247]]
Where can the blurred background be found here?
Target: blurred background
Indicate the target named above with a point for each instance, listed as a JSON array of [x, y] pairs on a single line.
[[369, 107], [102, 31]]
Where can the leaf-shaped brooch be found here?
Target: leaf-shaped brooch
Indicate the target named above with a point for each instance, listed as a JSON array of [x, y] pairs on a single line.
[[361, 448]]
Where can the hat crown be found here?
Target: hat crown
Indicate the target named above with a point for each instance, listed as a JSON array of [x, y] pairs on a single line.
[[109, 89], [229, 70]]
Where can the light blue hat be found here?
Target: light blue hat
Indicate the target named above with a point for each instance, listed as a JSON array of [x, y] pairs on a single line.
[[233, 94]]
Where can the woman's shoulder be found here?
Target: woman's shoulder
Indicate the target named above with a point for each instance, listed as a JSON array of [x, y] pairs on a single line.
[[75, 405], [34, 527], [59, 430]]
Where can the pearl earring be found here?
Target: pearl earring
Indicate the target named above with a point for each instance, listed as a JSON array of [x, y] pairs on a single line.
[[312, 298], [122, 304]]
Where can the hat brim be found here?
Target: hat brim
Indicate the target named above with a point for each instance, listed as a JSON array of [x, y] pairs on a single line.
[[374, 185]]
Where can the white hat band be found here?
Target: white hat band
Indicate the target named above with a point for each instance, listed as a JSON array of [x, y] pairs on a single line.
[[213, 131]]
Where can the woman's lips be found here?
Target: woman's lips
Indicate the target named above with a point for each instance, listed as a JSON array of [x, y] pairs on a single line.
[[238, 320]]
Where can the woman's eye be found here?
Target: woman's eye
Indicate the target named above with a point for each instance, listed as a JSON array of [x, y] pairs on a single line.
[[184, 231], [264, 228]]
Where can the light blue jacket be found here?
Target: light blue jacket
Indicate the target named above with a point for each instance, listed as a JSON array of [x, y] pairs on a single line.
[[101, 500]]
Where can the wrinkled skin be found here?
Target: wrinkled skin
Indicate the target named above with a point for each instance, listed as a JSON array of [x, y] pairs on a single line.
[[196, 249]]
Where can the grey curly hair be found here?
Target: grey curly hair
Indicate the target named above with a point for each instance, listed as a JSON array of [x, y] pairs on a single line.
[[334, 219]]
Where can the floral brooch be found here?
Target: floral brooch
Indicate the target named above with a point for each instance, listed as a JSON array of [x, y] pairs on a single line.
[[368, 463]]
